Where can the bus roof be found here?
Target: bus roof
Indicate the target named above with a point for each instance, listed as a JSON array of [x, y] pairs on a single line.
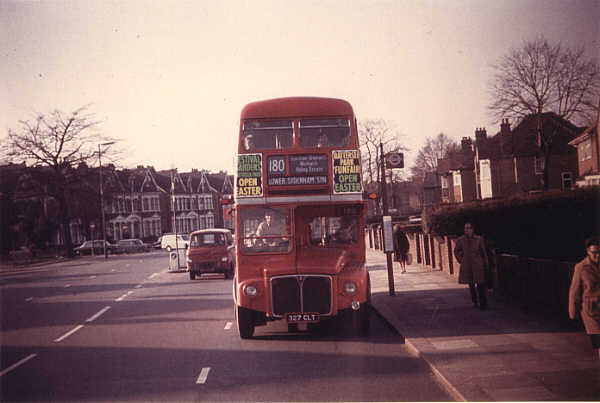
[[297, 107]]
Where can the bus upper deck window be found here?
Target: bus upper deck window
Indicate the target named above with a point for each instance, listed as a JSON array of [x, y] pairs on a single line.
[[317, 133], [267, 135]]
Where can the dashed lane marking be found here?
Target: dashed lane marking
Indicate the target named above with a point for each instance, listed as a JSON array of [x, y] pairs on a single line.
[[69, 333], [121, 298], [29, 299], [153, 275], [18, 364], [97, 315], [203, 376]]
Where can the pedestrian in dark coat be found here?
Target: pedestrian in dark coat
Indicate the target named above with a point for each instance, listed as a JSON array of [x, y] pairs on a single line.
[[584, 293], [401, 247], [470, 251]]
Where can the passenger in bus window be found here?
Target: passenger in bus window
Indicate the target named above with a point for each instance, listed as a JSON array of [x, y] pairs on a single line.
[[346, 232], [249, 142], [322, 140]]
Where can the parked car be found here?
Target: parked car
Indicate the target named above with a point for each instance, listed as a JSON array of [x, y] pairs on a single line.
[[97, 247], [158, 243], [132, 246], [169, 242], [211, 251]]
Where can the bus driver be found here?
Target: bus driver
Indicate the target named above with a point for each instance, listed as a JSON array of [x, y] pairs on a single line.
[[269, 227]]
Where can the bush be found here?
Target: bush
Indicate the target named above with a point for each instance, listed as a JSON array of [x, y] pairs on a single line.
[[550, 225]]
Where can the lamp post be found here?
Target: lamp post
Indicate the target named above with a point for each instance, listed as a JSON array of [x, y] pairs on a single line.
[[102, 195]]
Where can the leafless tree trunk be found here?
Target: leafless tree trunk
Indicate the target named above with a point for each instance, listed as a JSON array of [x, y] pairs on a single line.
[[541, 77], [60, 143], [371, 134], [428, 156]]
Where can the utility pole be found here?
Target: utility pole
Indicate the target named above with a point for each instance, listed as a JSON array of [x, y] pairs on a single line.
[[102, 198], [386, 224]]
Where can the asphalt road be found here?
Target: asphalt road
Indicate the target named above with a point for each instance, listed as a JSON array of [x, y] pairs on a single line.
[[126, 329]]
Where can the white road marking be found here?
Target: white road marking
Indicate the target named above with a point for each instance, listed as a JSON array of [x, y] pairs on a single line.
[[121, 298], [67, 286], [18, 364], [153, 275], [96, 316], [64, 336], [29, 299], [92, 277], [203, 376], [228, 326], [139, 286]]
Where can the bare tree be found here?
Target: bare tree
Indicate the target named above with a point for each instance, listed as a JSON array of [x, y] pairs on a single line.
[[428, 156], [540, 78], [372, 133], [57, 143]]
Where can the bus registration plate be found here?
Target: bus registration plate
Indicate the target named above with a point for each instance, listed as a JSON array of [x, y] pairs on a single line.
[[302, 317]]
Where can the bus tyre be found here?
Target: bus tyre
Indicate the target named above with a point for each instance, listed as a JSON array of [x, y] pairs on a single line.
[[192, 275], [244, 321]]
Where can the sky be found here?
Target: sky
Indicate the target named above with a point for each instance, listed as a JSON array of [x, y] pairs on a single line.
[[168, 79]]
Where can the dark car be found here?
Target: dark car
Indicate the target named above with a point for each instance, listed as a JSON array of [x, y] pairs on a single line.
[[94, 247], [132, 246], [211, 251]]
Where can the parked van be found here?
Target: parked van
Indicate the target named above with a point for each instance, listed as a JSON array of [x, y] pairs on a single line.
[[211, 251], [168, 241]]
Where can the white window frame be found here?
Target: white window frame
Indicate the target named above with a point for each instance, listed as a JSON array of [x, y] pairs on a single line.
[[566, 176], [538, 165]]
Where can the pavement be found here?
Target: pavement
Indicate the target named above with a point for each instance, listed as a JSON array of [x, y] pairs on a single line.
[[500, 354]]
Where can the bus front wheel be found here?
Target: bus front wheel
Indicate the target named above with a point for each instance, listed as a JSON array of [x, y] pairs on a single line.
[[244, 321]]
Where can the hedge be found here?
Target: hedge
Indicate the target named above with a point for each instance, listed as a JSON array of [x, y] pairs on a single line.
[[550, 225]]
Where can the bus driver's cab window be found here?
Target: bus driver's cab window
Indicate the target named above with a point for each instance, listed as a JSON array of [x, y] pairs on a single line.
[[265, 230], [267, 135]]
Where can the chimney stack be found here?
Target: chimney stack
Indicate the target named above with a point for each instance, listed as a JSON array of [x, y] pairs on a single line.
[[506, 140], [480, 134], [466, 143]]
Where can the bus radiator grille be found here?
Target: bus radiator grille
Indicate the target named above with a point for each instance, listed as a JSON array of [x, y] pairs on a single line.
[[301, 294]]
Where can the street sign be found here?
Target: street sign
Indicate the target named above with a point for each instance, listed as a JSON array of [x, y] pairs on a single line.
[[394, 160]]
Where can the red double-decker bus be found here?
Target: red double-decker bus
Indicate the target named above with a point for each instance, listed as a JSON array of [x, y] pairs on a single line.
[[299, 216]]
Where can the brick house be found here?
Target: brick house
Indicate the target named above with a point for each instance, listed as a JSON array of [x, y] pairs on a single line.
[[588, 156], [456, 173], [141, 202], [510, 162]]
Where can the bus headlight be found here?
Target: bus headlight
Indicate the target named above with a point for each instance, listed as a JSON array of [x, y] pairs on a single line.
[[349, 287], [250, 290]]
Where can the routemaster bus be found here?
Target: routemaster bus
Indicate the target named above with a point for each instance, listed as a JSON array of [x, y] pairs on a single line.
[[299, 216]]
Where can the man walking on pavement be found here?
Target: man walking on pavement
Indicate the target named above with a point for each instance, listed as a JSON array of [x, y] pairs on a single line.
[[472, 256]]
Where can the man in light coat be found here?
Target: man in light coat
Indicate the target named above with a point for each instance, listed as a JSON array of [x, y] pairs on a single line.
[[584, 293], [471, 254]]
